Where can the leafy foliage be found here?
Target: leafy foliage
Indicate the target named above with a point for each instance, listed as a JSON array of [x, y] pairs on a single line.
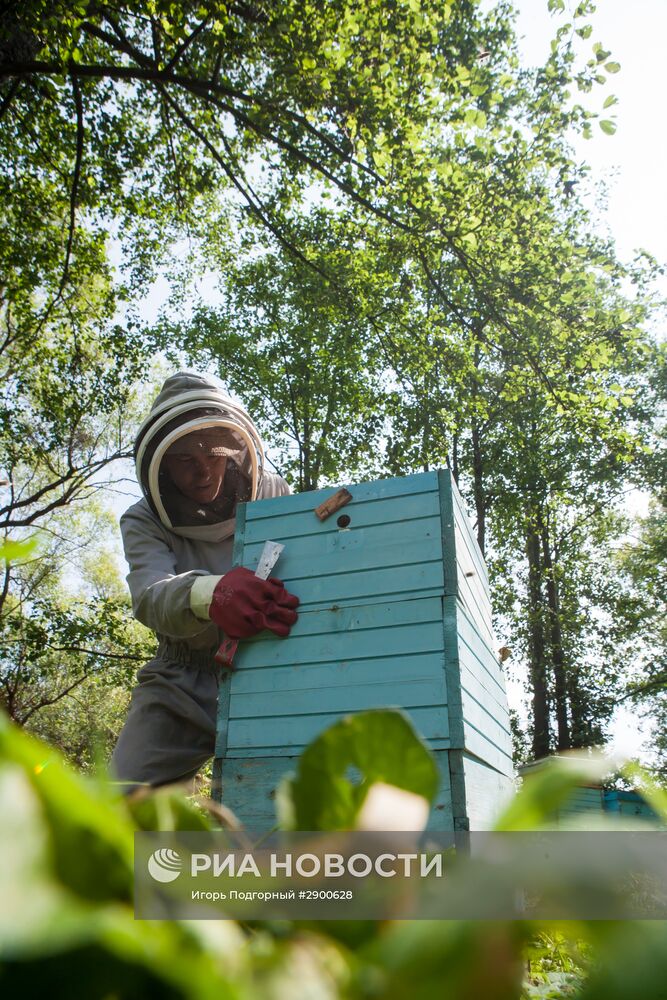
[[408, 279], [67, 884], [68, 643], [337, 770]]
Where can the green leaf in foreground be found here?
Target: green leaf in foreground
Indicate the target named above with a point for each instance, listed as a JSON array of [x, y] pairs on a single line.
[[337, 770], [652, 792], [544, 792], [449, 959], [90, 841], [65, 884]]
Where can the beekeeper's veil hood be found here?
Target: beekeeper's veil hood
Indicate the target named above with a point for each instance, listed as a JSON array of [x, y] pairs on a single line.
[[198, 455]]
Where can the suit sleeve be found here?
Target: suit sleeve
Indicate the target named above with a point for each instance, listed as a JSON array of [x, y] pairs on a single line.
[[273, 485], [160, 595], [201, 593]]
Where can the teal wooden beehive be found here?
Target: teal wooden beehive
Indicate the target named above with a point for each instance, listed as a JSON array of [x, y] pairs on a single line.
[[394, 611]]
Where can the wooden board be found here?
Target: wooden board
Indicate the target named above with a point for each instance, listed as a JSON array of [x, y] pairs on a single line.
[[465, 573], [487, 792], [249, 788]]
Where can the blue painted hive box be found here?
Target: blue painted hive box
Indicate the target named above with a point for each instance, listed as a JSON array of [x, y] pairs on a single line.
[[394, 611]]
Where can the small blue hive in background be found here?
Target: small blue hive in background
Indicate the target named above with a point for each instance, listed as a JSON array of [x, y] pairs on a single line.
[[394, 611], [593, 800]]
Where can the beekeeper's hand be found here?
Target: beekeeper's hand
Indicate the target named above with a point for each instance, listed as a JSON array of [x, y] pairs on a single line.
[[244, 605]]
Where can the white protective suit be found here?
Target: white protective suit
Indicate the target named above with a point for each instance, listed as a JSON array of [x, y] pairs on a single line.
[[177, 549]]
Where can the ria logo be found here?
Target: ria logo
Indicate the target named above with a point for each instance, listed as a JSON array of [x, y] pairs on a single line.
[[164, 865]]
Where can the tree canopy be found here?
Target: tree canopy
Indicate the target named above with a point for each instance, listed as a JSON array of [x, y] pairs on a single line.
[[406, 277]]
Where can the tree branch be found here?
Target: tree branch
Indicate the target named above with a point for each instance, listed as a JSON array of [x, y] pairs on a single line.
[[254, 206], [76, 480], [148, 72], [76, 177], [96, 652], [50, 701], [9, 96], [182, 48]]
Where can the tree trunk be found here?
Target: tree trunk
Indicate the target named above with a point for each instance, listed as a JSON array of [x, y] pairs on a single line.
[[478, 461], [580, 730], [537, 657], [4, 589], [306, 457], [478, 486], [426, 431], [556, 642], [455, 458]]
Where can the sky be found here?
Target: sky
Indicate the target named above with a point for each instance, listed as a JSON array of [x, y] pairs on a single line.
[[633, 161]]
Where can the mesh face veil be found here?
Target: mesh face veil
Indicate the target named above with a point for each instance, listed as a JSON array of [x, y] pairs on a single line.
[[198, 455]]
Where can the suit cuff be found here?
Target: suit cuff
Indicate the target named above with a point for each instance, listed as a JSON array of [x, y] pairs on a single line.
[[201, 595]]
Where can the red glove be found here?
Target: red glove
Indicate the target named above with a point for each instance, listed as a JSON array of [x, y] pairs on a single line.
[[243, 605]]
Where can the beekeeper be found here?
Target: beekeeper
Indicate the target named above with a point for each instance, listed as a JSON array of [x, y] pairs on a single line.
[[198, 455]]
